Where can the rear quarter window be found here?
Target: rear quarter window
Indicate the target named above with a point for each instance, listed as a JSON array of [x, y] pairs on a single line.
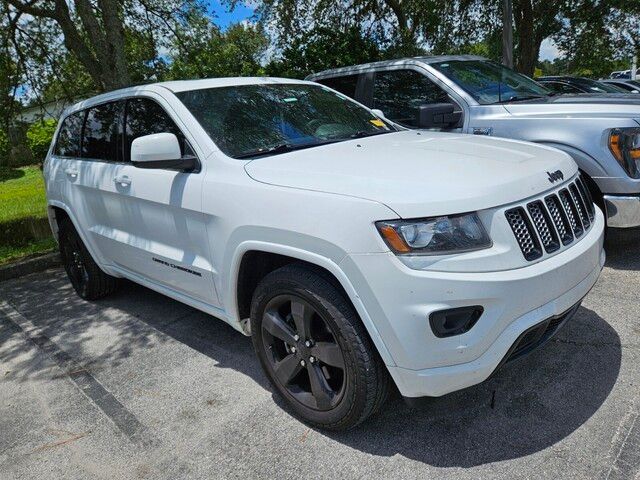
[[68, 141], [346, 85]]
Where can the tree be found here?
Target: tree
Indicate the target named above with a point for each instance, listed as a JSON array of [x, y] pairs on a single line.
[[396, 25], [200, 49], [324, 48], [100, 34]]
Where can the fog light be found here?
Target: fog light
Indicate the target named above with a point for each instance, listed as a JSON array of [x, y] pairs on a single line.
[[454, 321]]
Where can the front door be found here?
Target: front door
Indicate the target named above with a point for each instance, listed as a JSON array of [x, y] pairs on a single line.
[[147, 222]]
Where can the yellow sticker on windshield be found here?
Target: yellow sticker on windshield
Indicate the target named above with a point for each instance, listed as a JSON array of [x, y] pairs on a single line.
[[377, 122]]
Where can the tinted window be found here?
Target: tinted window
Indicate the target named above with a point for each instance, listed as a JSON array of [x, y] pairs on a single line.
[[558, 87], [253, 120], [146, 117], [68, 142], [102, 133], [346, 85], [399, 93]]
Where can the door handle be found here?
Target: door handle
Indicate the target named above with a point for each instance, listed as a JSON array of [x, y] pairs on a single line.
[[122, 180], [72, 172]]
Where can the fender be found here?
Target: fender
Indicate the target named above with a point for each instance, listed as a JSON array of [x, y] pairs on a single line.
[[588, 164], [95, 253], [326, 263]]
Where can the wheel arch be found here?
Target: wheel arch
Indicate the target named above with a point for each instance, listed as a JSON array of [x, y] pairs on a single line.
[[244, 279]]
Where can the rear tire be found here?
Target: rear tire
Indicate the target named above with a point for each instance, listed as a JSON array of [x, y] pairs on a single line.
[[315, 350], [86, 277]]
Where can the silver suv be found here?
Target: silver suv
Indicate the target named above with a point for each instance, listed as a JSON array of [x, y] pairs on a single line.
[[471, 94]]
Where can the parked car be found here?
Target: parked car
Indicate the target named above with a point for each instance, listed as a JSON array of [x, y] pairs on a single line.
[[471, 94], [621, 74], [567, 84], [354, 253], [632, 86]]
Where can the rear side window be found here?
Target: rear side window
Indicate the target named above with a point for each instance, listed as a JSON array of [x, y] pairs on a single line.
[[102, 133], [346, 85], [68, 141], [146, 117], [399, 93]]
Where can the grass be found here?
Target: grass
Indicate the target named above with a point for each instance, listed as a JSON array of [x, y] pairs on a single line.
[[22, 193], [10, 253], [22, 196]]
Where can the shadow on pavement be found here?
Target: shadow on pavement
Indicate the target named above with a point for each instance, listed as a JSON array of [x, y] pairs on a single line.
[[526, 407], [623, 248]]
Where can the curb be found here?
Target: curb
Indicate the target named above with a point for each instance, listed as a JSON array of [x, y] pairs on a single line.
[[31, 265]]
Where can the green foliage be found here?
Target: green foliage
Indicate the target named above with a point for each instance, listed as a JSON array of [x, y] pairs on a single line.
[[21, 193], [324, 48], [4, 148], [202, 50], [10, 253], [39, 136]]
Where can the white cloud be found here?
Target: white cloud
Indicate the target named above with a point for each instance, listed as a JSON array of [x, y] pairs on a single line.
[[549, 50]]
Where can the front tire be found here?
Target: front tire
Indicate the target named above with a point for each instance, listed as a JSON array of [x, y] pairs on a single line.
[[315, 350], [86, 277]]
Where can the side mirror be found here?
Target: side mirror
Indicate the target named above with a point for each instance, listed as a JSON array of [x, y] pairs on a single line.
[[437, 115], [161, 150], [378, 113]]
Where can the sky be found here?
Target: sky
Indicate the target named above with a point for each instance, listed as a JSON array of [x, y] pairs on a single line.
[[223, 17]]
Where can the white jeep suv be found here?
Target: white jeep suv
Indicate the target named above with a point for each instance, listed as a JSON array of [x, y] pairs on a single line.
[[354, 253]]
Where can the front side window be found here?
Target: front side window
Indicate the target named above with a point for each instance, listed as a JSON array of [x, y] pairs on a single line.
[[68, 141], [487, 82], [146, 117], [399, 94], [252, 120], [102, 133]]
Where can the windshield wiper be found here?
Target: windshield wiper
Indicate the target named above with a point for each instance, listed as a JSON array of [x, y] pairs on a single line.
[[364, 133], [518, 98], [280, 148]]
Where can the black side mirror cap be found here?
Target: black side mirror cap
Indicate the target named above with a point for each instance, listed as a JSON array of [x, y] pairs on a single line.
[[438, 115], [187, 164]]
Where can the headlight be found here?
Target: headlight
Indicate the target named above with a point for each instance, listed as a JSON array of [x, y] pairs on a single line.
[[435, 236], [624, 144]]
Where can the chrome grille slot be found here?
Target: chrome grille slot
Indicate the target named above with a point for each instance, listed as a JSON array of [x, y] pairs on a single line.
[[571, 211], [543, 223], [560, 219], [523, 231], [580, 206], [588, 199]]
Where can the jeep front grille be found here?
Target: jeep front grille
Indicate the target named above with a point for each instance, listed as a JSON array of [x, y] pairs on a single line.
[[555, 221]]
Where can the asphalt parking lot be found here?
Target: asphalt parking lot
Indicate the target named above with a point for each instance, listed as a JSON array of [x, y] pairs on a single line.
[[141, 386]]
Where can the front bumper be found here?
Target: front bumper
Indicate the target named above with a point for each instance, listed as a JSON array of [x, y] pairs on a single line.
[[399, 300], [623, 211]]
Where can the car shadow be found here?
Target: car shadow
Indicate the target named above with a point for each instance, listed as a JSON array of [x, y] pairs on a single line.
[[524, 408], [623, 248]]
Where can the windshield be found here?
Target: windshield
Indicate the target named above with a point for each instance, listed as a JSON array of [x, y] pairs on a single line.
[[488, 82], [248, 121], [597, 87]]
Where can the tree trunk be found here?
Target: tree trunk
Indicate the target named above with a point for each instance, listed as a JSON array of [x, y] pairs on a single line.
[[528, 44], [507, 33], [98, 46]]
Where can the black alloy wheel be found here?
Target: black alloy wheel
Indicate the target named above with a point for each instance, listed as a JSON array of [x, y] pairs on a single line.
[[303, 353], [314, 348]]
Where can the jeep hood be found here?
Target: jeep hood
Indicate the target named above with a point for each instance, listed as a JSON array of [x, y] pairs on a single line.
[[420, 174], [579, 106]]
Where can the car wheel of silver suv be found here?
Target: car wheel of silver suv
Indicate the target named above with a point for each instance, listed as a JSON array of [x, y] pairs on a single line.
[[315, 350]]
